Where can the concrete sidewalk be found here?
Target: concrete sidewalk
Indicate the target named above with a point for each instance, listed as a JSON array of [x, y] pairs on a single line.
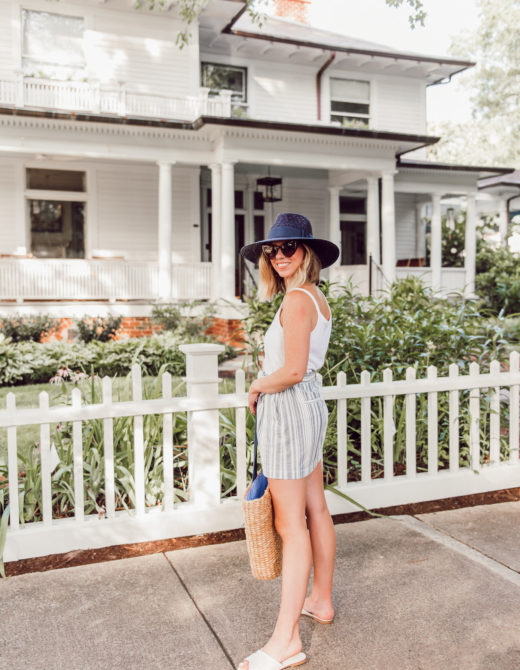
[[432, 592]]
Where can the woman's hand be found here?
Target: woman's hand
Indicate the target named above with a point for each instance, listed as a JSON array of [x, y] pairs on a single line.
[[254, 392]]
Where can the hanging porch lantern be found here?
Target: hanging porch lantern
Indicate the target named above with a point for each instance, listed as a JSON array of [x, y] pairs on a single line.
[[270, 188]]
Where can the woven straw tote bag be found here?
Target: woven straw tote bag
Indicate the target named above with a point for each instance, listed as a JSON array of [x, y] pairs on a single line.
[[264, 545]]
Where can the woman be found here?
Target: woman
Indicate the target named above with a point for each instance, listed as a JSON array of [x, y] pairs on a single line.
[[291, 425]]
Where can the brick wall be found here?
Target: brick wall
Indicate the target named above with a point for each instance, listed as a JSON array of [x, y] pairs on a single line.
[[227, 331]]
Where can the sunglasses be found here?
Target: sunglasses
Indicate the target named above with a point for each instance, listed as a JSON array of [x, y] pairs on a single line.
[[287, 248]]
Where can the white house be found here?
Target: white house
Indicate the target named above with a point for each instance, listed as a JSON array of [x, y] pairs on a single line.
[[129, 167]]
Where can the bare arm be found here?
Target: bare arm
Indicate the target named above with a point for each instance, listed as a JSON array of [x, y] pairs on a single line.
[[298, 319]]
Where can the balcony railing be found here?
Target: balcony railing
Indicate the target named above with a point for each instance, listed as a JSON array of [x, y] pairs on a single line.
[[93, 98], [80, 279]]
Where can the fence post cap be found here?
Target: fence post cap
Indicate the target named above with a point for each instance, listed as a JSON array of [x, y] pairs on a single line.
[[201, 348]]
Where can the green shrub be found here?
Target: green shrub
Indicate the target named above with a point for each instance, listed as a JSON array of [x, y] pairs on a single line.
[[92, 328], [190, 319], [498, 280], [407, 327], [31, 362], [20, 328]]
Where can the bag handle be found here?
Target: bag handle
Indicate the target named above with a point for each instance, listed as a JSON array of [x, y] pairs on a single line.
[[255, 462]]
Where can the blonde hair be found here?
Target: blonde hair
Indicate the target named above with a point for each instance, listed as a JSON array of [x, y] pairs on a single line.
[[271, 282]]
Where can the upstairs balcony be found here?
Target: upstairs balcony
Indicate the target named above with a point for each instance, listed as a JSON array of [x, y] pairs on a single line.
[[93, 98]]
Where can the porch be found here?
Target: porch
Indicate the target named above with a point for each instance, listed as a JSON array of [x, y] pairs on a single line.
[[31, 279], [77, 96], [158, 212]]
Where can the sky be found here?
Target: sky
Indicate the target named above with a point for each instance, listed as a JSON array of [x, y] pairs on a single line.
[[375, 21]]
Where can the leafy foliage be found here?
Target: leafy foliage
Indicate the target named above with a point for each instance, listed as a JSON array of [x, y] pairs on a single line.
[[189, 11], [407, 327], [30, 362], [498, 280], [98, 328], [20, 328], [185, 319], [491, 137]]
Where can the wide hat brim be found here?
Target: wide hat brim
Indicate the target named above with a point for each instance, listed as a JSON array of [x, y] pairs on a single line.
[[327, 252]]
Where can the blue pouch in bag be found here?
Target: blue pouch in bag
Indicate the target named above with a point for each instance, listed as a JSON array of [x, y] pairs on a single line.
[[258, 487]]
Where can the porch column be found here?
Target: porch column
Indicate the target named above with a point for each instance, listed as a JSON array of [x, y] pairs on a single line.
[[216, 228], [227, 251], [164, 237], [436, 243], [373, 220], [471, 245], [388, 212], [334, 222], [503, 221], [420, 242]]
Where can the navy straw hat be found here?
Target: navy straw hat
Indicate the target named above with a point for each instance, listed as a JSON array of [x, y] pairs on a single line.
[[290, 226]]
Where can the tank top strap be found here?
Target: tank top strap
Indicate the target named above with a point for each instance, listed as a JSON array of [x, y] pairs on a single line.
[[311, 296]]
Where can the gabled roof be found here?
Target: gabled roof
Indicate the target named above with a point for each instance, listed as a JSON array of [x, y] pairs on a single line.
[[298, 43]]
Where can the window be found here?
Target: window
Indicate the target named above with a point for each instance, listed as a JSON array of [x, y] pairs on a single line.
[[57, 219], [350, 102], [52, 46], [226, 77], [55, 180]]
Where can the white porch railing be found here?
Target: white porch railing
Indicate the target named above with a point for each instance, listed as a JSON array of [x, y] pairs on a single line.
[[80, 279], [452, 279], [206, 511], [86, 97]]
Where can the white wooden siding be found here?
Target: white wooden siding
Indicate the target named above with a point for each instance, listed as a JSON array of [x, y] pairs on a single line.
[[125, 221], [135, 48], [140, 50], [283, 94], [405, 225], [126, 216], [9, 240], [399, 105], [7, 35]]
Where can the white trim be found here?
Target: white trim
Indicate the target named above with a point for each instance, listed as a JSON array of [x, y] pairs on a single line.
[[69, 196]]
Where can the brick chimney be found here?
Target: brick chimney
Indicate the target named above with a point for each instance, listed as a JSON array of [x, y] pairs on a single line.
[[295, 10]]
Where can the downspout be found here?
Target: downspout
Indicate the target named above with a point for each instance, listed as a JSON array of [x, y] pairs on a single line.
[[319, 74]]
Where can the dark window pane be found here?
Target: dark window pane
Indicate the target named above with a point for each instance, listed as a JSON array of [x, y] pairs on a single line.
[[239, 199], [349, 107], [258, 222], [55, 180], [348, 205], [219, 77], [258, 200], [208, 197]]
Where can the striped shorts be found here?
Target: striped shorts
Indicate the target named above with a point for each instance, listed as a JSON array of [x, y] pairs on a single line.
[[291, 428]]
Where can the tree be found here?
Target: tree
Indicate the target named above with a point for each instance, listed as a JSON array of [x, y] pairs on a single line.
[[189, 11], [494, 85]]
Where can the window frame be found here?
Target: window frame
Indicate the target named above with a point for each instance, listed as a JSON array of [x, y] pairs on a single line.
[[353, 117], [79, 70], [237, 102]]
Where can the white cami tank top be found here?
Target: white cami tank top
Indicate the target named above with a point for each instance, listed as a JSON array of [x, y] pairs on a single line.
[[274, 356]]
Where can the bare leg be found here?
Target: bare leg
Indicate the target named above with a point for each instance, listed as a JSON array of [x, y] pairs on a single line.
[[323, 539], [289, 500]]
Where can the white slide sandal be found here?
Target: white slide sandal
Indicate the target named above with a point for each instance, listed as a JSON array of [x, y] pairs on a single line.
[[262, 661]]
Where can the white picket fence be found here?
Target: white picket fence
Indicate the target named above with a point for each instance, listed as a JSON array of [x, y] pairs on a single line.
[[206, 511]]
